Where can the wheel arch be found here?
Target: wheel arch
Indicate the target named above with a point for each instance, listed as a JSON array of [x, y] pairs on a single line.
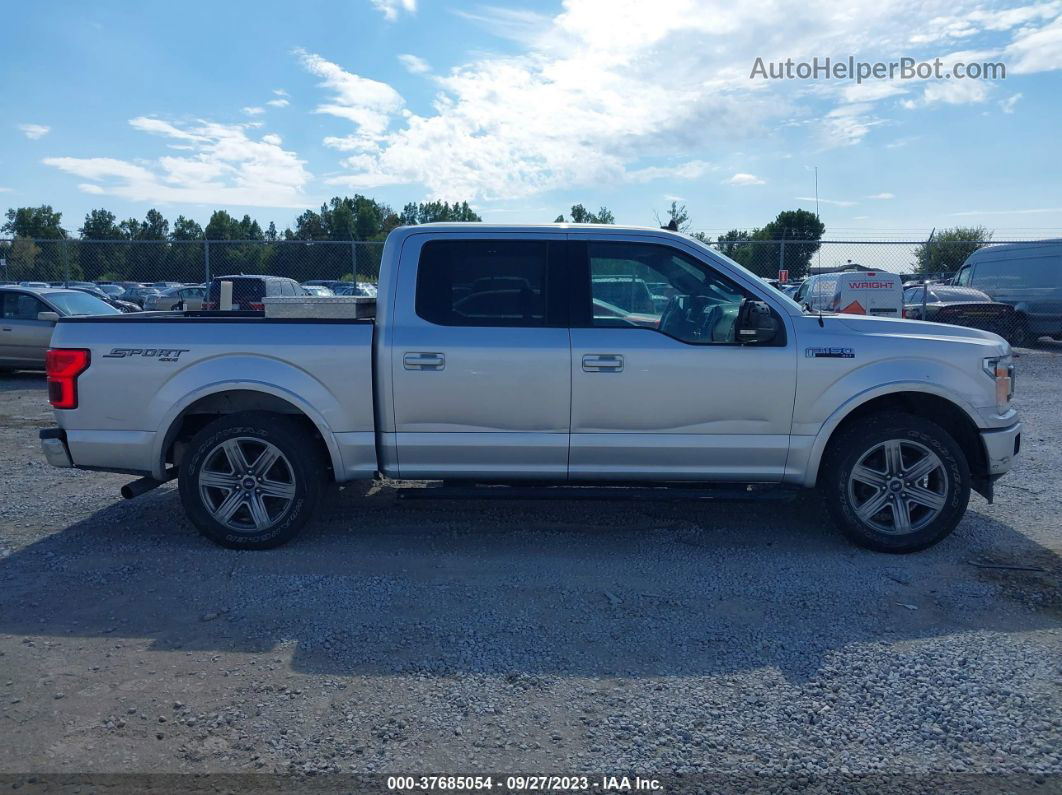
[[943, 411], [218, 400]]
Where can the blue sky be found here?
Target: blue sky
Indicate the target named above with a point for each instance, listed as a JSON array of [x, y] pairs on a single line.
[[523, 110]]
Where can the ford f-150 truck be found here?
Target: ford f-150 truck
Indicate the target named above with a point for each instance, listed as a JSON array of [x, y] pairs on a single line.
[[509, 355]]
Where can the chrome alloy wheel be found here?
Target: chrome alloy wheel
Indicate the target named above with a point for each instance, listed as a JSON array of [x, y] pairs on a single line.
[[246, 484], [898, 487]]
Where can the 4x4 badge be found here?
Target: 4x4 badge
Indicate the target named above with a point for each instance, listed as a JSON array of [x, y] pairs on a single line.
[[829, 353]]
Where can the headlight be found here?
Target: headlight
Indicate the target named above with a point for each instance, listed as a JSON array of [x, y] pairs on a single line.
[[1001, 370]]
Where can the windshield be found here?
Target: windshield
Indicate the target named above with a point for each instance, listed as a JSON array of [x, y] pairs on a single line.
[[80, 304], [777, 294]]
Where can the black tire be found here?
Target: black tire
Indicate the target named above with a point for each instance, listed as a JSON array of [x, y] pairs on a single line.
[[300, 470], [1019, 334], [920, 441]]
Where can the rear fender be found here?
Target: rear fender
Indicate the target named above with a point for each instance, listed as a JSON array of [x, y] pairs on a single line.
[[248, 373]]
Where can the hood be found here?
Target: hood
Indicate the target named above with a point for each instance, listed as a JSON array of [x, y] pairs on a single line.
[[914, 329]]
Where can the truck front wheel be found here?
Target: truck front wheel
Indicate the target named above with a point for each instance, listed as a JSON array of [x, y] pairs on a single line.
[[251, 480], [895, 482]]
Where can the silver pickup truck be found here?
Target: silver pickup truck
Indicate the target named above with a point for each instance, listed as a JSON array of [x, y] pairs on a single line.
[[578, 358]]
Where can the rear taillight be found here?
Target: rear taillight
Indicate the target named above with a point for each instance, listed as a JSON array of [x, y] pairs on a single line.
[[63, 366], [256, 306], [210, 305]]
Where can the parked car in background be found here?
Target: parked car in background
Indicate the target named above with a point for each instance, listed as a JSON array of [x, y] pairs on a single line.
[[1028, 276], [960, 306], [317, 289], [35, 285], [190, 298], [138, 295], [160, 286], [356, 289], [629, 293], [27, 316], [120, 304], [113, 290], [853, 293], [331, 284], [248, 291]]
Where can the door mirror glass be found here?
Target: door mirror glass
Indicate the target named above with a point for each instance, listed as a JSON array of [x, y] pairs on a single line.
[[48, 317], [757, 324]]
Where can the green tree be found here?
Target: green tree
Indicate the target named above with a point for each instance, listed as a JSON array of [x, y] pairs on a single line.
[[155, 226], [186, 229], [184, 256], [41, 223], [734, 244], [678, 218], [98, 253], [222, 226], [99, 225], [436, 211], [580, 215], [947, 250], [50, 260], [791, 239]]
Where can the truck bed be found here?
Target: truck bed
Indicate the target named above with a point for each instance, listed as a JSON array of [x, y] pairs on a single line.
[[172, 366]]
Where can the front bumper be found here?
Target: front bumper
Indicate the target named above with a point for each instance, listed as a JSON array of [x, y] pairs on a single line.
[[1001, 448], [53, 442]]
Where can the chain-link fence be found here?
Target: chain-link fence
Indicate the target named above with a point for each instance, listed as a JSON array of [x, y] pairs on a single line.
[[186, 261], [1021, 267]]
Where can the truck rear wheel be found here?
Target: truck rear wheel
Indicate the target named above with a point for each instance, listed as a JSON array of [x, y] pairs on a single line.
[[895, 482], [251, 480]]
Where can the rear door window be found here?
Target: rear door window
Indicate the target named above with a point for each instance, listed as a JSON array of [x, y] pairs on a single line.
[[483, 282], [20, 306]]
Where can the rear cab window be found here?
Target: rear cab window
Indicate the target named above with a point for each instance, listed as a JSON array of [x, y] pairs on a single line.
[[488, 283]]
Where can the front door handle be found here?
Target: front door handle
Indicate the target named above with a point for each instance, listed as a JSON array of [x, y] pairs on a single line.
[[423, 361], [602, 363]]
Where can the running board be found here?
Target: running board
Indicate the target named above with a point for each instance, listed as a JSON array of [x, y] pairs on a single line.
[[699, 492]]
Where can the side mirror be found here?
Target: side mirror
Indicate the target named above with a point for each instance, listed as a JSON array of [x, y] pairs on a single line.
[[48, 317], [756, 324]]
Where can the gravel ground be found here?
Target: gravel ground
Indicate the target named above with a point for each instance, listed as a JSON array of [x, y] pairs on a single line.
[[459, 636]]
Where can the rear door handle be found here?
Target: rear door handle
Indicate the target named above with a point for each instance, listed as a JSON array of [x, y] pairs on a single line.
[[602, 363], [423, 361]]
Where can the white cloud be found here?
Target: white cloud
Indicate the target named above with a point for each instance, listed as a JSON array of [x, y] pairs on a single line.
[[834, 202], [4, 189], [392, 8], [691, 169], [34, 131], [1008, 104], [608, 91], [882, 196], [227, 166], [741, 178], [254, 110], [280, 92], [414, 64], [369, 104], [277, 103], [1036, 49]]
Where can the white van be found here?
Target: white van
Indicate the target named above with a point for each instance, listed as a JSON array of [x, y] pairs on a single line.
[[854, 293]]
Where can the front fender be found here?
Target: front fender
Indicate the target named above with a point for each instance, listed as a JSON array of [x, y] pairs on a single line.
[[822, 438]]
